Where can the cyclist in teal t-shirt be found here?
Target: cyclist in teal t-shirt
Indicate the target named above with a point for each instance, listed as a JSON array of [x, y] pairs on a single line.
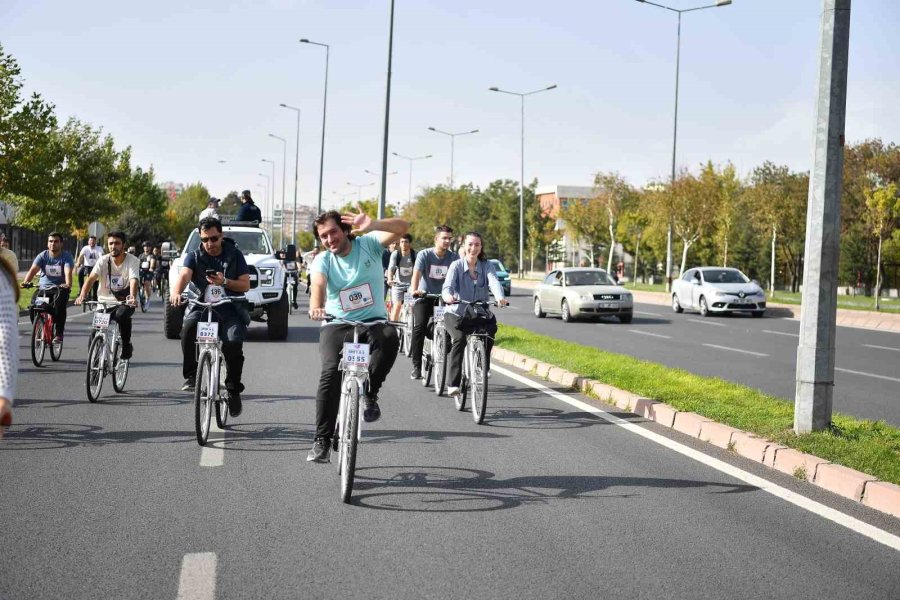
[[348, 283]]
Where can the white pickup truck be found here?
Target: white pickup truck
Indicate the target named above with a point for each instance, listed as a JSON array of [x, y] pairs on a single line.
[[268, 302]]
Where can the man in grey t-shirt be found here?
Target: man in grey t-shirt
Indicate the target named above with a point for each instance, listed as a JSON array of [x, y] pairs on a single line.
[[400, 270], [428, 278]]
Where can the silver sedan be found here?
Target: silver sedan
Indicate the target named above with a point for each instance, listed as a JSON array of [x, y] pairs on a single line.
[[574, 293], [717, 290]]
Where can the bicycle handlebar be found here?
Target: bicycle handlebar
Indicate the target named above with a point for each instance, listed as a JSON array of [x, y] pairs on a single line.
[[339, 320], [225, 300], [92, 304]]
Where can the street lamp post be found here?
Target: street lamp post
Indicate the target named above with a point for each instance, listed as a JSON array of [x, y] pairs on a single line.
[[296, 173], [452, 140], [410, 159], [283, 185], [324, 111], [359, 187], [377, 175], [675, 127], [267, 197], [522, 96], [272, 200]]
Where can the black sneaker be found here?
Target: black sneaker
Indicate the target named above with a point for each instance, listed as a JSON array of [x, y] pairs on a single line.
[[320, 452], [188, 385], [416, 373], [234, 404], [127, 351], [372, 412]]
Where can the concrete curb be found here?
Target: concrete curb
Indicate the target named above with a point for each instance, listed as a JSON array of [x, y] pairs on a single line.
[[859, 487]]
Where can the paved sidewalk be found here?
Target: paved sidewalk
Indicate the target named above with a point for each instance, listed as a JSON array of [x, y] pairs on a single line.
[[862, 319]]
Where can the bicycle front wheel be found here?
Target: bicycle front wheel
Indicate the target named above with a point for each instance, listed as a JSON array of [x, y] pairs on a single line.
[[120, 369], [349, 440], [440, 361], [94, 375], [38, 345], [479, 381], [203, 400]]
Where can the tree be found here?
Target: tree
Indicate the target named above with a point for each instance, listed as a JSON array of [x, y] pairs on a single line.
[[230, 204], [695, 203], [882, 210], [587, 220], [183, 212], [614, 193], [729, 199]]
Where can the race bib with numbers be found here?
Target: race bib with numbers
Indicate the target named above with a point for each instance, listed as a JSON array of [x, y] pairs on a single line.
[[408, 299], [207, 332], [40, 300], [356, 298], [405, 271], [117, 282], [101, 320], [356, 355], [53, 270], [438, 271], [145, 265], [439, 313], [214, 293]]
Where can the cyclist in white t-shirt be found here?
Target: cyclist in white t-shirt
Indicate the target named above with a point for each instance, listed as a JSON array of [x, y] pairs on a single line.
[[85, 262]]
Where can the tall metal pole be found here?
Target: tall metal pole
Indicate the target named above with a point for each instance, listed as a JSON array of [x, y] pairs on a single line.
[[522, 197], [818, 313], [452, 144], [265, 209], [674, 146], [272, 201], [410, 159], [296, 174], [283, 185], [387, 119], [324, 113]]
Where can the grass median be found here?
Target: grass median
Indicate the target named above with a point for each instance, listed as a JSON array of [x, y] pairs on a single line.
[[867, 446]]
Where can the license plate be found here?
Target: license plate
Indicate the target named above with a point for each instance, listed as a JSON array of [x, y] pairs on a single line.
[[101, 320], [207, 332], [608, 305], [439, 313], [356, 355], [742, 301], [408, 299]]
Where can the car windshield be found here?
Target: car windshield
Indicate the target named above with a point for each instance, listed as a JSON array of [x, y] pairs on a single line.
[[248, 242], [498, 264], [575, 278], [724, 276]]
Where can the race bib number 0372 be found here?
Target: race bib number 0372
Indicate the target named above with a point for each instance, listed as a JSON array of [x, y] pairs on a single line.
[[207, 332], [356, 355]]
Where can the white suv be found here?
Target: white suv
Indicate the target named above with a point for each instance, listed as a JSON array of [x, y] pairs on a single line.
[[267, 297]]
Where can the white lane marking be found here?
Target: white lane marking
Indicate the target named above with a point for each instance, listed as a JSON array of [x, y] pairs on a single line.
[[781, 333], [864, 374], [649, 314], [735, 350], [659, 335], [198, 576], [881, 347], [212, 454], [869, 531], [707, 322]]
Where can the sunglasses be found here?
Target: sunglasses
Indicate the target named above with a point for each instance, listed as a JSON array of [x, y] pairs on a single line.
[[212, 238]]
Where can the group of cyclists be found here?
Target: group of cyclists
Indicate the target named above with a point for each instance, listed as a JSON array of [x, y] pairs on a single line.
[[347, 282]]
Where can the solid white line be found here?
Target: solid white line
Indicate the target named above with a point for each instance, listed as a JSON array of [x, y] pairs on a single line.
[[864, 374], [881, 347], [735, 350], [781, 333], [659, 335], [649, 314], [869, 531], [198, 576], [707, 322], [211, 455]]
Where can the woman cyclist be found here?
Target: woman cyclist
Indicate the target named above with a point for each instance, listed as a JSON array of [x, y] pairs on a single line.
[[470, 279]]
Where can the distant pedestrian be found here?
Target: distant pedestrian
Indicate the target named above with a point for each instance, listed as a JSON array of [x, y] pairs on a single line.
[[211, 210]]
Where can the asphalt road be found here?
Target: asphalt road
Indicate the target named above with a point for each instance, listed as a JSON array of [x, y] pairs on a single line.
[[760, 353], [547, 499]]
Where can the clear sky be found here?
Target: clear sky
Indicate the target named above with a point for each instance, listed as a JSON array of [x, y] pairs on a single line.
[[188, 84]]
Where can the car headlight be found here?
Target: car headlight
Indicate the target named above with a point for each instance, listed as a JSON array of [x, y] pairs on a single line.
[[267, 277], [626, 296], [586, 297], [719, 293]]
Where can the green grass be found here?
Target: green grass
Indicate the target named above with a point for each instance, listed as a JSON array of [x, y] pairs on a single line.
[[891, 305], [25, 295], [646, 287], [867, 446]]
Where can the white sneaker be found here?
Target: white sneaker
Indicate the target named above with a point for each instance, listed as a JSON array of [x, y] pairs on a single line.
[[452, 391]]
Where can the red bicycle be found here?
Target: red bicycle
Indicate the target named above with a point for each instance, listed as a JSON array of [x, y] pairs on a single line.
[[43, 330]]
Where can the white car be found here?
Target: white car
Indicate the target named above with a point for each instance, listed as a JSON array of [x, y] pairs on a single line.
[[267, 296], [582, 293], [717, 290]]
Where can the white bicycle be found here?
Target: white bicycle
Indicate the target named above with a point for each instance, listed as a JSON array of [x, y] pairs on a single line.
[[434, 350], [104, 351], [474, 381]]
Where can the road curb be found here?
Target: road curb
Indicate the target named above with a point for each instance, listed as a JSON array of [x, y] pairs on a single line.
[[843, 481]]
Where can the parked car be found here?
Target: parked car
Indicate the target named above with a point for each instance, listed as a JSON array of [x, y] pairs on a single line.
[[717, 290], [503, 276], [575, 293]]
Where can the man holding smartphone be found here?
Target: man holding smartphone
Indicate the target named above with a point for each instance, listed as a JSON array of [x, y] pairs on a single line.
[[216, 266]]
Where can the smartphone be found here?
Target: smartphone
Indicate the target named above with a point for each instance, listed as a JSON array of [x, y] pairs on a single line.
[[211, 272]]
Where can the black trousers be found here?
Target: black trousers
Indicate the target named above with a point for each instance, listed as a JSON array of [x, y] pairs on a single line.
[[384, 345], [423, 310], [232, 332], [58, 309], [82, 273], [457, 328], [122, 315]]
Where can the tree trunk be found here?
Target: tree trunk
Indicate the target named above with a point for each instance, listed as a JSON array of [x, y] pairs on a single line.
[[725, 261], [684, 252], [637, 256], [772, 264], [878, 276]]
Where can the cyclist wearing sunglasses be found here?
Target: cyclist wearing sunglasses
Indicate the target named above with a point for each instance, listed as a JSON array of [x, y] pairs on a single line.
[[217, 262]]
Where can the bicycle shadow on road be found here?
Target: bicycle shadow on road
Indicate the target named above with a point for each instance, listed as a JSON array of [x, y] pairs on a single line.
[[50, 436], [451, 489]]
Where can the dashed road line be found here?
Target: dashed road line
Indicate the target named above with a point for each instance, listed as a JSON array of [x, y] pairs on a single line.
[[707, 322], [198, 576], [649, 314], [881, 347], [659, 335], [864, 374], [213, 454], [835, 516], [735, 350], [781, 333]]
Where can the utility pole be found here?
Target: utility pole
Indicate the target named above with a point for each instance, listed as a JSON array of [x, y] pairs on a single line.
[[818, 312]]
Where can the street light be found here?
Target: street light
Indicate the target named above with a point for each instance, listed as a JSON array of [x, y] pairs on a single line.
[[410, 159], [522, 95], [267, 197], [296, 172], [324, 109], [283, 175], [377, 175], [359, 187], [675, 129], [452, 140], [272, 200]]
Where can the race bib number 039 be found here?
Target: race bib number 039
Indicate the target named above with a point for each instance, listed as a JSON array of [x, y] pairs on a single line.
[[214, 293], [356, 298], [356, 355], [207, 332], [101, 320], [438, 271]]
